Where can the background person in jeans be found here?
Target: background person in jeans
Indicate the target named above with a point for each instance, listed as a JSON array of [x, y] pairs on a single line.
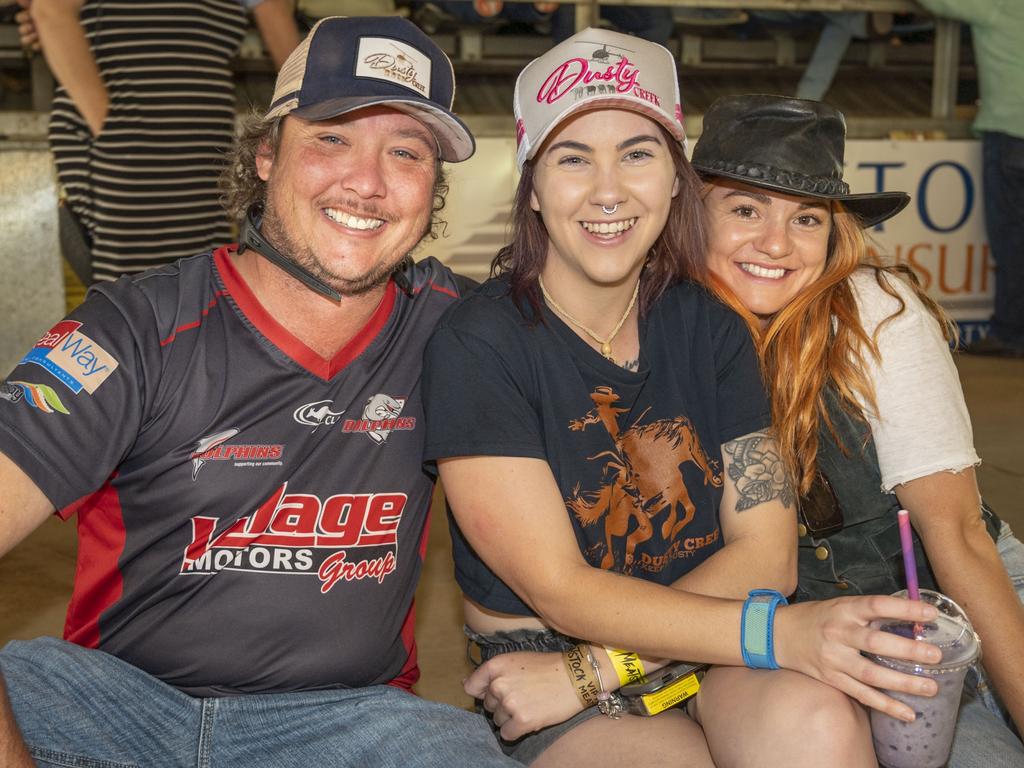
[[997, 28], [240, 435]]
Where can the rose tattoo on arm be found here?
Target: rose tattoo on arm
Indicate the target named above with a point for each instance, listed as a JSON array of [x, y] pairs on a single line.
[[758, 471]]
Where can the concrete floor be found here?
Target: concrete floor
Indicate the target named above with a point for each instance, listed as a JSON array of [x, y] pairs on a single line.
[[35, 578]]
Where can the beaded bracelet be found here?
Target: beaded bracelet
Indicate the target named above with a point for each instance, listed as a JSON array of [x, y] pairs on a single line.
[[609, 704]]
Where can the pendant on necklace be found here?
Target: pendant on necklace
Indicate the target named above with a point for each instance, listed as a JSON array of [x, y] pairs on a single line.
[[606, 350]]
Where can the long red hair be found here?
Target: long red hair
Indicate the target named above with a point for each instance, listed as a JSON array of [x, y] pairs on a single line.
[[817, 341]]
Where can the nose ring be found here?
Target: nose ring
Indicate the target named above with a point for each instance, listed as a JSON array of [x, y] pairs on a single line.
[[609, 211]]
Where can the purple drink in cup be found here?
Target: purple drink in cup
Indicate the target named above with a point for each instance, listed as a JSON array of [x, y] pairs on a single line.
[[925, 743]]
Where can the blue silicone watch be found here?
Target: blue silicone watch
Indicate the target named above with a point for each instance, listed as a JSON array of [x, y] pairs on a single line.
[[757, 628]]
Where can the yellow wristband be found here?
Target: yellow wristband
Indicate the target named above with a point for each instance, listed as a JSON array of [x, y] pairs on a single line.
[[627, 665]]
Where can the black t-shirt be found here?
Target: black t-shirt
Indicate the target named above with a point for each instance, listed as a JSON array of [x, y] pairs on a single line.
[[636, 455]]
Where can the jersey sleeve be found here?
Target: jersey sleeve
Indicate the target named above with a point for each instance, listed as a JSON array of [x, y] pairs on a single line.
[[922, 425], [474, 399], [71, 409], [743, 405]]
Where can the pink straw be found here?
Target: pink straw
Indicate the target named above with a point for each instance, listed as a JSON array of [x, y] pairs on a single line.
[[909, 562]]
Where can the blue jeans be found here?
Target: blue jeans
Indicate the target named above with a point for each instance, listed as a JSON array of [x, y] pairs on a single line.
[[837, 30], [87, 709], [1003, 184], [984, 732]]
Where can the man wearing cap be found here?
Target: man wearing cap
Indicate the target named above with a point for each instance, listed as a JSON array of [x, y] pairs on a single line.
[[240, 436]]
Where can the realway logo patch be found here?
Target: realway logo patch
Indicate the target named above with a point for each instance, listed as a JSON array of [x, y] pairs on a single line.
[[345, 537], [77, 361]]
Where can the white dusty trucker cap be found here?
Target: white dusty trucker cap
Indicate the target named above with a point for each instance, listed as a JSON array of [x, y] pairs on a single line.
[[595, 69]]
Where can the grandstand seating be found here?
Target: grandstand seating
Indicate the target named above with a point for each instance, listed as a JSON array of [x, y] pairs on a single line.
[[918, 90]]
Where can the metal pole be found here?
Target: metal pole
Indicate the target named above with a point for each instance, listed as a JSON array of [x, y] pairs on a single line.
[[945, 67]]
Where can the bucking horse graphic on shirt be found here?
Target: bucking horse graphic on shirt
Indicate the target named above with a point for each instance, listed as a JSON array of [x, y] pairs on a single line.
[[644, 478]]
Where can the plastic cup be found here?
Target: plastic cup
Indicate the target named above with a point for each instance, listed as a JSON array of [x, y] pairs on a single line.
[[925, 743]]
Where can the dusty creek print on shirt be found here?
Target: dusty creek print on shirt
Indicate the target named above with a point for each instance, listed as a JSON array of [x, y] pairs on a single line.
[[644, 479]]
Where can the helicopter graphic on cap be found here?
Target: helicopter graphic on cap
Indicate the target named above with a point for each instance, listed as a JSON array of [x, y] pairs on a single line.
[[602, 54]]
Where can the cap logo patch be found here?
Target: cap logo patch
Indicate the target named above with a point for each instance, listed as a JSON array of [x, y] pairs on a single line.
[[394, 62], [577, 75]]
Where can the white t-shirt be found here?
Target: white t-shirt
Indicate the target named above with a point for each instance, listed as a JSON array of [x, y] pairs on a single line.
[[922, 426]]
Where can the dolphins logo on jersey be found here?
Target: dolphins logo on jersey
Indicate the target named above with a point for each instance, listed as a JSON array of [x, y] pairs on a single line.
[[384, 408], [206, 444], [317, 414], [382, 415]]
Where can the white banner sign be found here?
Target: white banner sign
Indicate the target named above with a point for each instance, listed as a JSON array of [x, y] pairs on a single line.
[[477, 209], [941, 234]]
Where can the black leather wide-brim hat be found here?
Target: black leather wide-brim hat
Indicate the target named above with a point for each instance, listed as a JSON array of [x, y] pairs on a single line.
[[787, 145]]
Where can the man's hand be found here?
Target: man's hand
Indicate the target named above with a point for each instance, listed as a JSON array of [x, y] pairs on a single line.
[[524, 691], [27, 34]]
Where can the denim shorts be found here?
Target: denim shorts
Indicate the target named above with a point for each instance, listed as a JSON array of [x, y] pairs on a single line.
[[529, 747], [87, 709]]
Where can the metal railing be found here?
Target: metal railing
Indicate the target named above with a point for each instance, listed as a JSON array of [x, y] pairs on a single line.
[[944, 65]]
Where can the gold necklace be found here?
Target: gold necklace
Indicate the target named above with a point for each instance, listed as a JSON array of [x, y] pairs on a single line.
[[606, 344]]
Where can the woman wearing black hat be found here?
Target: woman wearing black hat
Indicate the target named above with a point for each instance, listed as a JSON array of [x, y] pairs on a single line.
[[600, 429], [866, 401]]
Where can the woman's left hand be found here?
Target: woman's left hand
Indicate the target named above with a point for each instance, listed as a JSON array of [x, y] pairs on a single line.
[[826, 640], [524, 691]]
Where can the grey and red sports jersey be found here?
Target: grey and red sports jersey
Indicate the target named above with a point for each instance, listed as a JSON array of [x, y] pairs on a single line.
[[251, 517]]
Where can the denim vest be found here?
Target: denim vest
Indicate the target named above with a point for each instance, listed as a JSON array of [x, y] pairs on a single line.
[[864, 557]]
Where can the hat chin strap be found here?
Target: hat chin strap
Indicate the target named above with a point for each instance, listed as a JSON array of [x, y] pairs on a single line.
[[250, 237]]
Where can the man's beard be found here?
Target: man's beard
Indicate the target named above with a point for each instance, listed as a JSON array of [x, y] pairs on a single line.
[[273, 229]]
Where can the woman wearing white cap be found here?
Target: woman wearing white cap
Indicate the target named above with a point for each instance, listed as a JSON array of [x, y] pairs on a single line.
[[602, 433]]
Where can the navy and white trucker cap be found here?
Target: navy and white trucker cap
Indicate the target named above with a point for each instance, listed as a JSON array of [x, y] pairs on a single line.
[[346, 64]]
